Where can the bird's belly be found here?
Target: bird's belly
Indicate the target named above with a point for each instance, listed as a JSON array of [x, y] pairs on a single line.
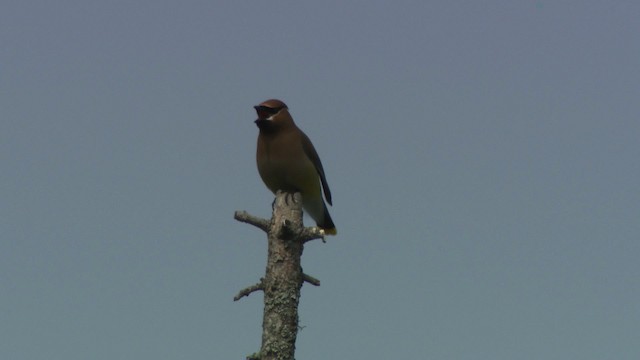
[[286, 176]]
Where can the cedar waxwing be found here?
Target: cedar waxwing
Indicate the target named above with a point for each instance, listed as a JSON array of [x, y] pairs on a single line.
[[288, 161]]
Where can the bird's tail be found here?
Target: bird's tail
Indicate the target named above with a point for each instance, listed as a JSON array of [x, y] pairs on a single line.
[[327, 224]]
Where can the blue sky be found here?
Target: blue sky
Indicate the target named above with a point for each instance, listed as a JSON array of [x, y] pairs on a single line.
[[483, 160]]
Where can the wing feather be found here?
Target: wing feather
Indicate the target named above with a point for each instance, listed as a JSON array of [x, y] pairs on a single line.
[[310, 151]]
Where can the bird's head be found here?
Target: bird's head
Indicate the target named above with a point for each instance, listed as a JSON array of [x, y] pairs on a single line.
[[270, 113]]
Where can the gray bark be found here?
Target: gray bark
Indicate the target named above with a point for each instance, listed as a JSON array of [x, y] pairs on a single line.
[[284, 277]]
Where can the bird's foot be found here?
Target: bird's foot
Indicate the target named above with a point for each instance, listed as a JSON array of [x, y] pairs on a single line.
[[289, 197]]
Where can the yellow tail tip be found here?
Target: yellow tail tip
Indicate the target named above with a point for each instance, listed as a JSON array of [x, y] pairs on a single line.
[[331, 231]]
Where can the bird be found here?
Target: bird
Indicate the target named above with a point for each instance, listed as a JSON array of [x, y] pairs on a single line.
[[288, 161]]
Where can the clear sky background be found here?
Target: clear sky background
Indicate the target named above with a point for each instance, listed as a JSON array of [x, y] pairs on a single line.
[[484, 160]]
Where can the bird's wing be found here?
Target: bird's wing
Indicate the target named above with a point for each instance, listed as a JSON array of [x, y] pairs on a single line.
[[310, 151]]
